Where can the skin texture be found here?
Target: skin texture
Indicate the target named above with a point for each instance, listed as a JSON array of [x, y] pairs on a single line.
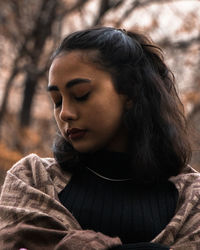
[[91, 104]]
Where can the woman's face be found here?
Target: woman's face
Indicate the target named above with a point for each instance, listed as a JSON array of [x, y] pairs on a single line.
[[87, 108]]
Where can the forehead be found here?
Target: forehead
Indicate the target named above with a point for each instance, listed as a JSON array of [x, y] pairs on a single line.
[[86, 57], [66, 58], [75, 62]]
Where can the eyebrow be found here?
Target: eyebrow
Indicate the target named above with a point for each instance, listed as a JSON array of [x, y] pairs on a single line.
[[69, 84]]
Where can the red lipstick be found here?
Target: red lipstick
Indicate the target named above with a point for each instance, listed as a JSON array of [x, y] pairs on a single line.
[[75, 133]]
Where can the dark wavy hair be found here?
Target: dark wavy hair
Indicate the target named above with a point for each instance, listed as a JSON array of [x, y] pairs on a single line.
[[159, 144]]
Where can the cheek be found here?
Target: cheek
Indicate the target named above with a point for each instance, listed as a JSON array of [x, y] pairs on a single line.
[[58, 121], [56, 116], [107, 114]]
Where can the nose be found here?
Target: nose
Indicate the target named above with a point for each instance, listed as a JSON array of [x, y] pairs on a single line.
[[68, 112]]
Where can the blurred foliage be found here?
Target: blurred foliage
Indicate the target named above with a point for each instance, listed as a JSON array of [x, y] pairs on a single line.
[[31, 29]]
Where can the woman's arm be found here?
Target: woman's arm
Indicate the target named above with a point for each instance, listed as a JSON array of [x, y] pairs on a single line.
[[34, 233], [32, 217]]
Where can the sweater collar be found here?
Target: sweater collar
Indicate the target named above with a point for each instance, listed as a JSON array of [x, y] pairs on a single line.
[[108, 163]]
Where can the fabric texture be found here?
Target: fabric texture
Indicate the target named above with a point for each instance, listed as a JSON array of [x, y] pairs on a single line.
[[32, 217]]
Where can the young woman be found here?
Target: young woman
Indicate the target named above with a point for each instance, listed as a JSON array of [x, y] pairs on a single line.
[[120, 177]]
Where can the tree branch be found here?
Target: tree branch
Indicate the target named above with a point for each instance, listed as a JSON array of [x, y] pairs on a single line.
[[182, 45], [64, 11], [139, 4], [105, 6]]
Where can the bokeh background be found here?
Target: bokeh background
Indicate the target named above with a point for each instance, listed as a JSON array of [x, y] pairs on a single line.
[[31, 29]]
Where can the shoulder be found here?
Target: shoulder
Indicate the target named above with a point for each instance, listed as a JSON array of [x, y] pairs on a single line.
[[31, 167], [188, 186], [188, 180], [37, 171], [184, 228], [30, 160]]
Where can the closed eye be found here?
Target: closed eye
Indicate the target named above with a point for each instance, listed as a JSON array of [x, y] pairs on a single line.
[[79, 99], [82, 98]]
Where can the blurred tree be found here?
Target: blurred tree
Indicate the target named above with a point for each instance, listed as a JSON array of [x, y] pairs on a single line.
[[37, 38], [29, 25], [31, 41], [30, 29]]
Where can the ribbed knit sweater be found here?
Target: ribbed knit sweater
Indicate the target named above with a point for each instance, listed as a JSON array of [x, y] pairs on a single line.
[[133, 212]]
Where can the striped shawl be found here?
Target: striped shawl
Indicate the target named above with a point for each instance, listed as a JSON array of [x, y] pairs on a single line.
[[31, 215]]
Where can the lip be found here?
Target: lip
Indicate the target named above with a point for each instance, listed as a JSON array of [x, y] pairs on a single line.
[[75, 133]]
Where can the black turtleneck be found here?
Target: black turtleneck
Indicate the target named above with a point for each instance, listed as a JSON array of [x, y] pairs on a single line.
[[135, 213]]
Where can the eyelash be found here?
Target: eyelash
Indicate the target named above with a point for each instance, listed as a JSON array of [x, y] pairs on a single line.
[[82, 98], [79, 99]]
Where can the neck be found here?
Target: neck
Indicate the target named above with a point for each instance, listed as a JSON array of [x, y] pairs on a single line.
[[113, 165]]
